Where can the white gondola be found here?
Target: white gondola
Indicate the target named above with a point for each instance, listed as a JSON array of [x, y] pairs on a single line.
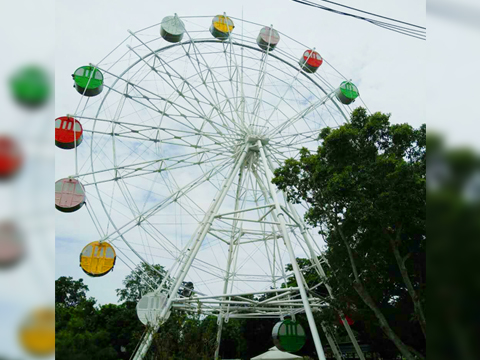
[[172, 29], [268, 38], [150, 307]]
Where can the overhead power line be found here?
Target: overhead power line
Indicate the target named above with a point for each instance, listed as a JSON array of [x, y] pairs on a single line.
[[411, 30], [369, 13]]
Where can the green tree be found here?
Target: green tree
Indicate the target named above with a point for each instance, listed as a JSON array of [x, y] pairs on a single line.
[[141, 281], [454, 225], [68, 292], [366, 190], [86, 331], [122, 325]]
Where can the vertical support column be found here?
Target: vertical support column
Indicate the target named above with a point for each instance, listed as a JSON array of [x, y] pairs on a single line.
[[201, 234], [275, 244], [332, 343], [321, 272], [219, 337], [229, 263], [296, 270]]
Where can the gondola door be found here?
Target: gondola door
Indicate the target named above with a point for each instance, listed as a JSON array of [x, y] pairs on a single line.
[[67, 194], [97, 259]]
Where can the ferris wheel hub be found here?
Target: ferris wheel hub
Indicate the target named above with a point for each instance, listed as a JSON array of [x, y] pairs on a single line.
[[253, 140]]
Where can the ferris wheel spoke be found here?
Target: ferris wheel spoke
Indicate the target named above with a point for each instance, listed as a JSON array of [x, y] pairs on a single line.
[[170, 74], [296, 140], [301, 115], [136, 128], [180, 141], [130, 201], [240, 79], [171, 250], [228, 63], [239, 91], [143, 172], [174, 197], [151, 95], [166, 244], [278, 156], [193, 88], [179, 251], [207, 118], [150, 105], [289, 86], [292, 136], [214, 82], [214, 106], [168, 140], [178, 258], [177, 92], [260, 86], [296, 146], [116, 209]]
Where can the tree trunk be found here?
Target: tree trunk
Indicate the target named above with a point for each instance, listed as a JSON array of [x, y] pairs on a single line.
[[413, 294], [367, 299]]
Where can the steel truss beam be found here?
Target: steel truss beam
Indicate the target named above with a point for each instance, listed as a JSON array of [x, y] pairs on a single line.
[[228, 304]]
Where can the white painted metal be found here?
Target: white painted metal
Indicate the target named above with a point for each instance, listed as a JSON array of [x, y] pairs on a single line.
[[190, 120], [150, 306], [172, 28], [298, 275]]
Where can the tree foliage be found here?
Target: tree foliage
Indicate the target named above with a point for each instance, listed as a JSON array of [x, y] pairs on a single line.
[[141, 281], [366, 190], [365, 186], [86, 331], [454, 224], [69, 293]]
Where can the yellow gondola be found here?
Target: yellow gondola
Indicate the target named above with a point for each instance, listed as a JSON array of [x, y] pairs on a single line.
[[221, 27], [37, 333], [97, 259]]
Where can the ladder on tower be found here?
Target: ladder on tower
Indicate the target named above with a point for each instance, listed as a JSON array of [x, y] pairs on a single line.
[[333, 343]]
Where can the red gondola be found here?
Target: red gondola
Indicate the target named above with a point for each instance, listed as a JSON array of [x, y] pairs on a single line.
[[69, 195], [349, 320], [67, 131], [310, 61], [11, 157]]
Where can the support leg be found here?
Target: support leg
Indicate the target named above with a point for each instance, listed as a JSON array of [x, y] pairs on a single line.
[[229, 263], [296, 270], [322, 274], [320, 271], [200, 236], [332, 343], [219, 338]]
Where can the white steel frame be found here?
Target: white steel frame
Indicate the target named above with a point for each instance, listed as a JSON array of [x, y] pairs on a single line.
[[238, 149]]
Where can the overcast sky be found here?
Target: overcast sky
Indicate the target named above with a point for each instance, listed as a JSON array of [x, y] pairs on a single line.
[[388, 68]]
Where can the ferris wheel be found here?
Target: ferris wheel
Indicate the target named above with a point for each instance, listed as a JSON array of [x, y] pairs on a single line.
[[175, 140]]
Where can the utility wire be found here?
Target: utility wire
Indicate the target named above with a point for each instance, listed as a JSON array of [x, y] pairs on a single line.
[[403, 32], [369, 13], [418, 34]]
